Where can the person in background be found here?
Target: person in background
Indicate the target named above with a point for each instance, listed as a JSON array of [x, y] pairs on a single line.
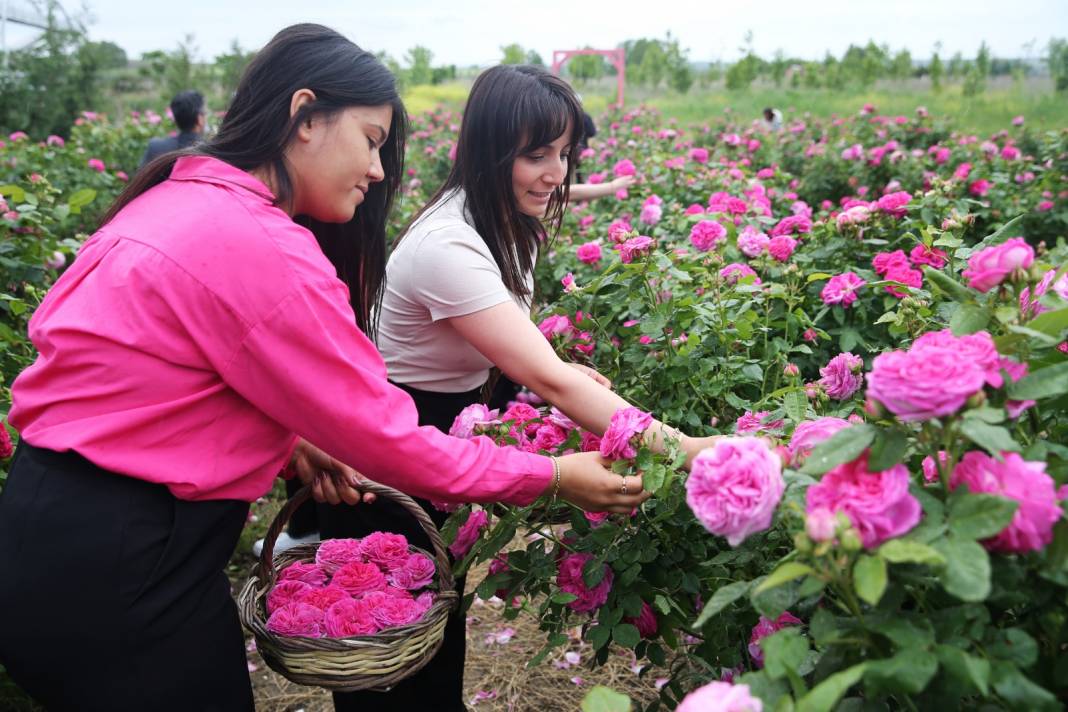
[[772, 119], [190, 117]]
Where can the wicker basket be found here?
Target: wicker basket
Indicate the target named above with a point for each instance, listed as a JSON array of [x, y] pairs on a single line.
[[372, 662]]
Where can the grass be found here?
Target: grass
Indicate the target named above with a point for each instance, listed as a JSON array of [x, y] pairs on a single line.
[[985, 114]]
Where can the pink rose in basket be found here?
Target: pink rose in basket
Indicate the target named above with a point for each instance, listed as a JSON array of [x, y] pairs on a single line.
[[309, 573], [297, 619], [357, 578], [626, 424], [335, 553], [385, 550], [323, 598], [285, 592], [390, 611], [416, 573], [423, 602], [352, 616]]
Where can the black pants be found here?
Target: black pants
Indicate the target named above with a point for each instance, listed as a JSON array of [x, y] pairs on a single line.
[[440, 684], [113, 594]]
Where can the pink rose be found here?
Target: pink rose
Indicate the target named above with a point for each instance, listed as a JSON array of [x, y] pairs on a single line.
[[842, 376], [763, 629], [721, 697], [734, 487], [781, 247], [810, 433], [752, 242], [468, 533], [549, 436], [842, 289], [590, 442], [895, 204], [416, 573], [589, 252], [626, 424], [499, 565], [792, 225], [385, 550], [285, 592], [877, 503], [699, 155], [930, 469], [989, 267], [646, 622], [923, 255], [569, 579], [624, 168], [979, 348], [979, 188], [97, 165], [1027, 483], [634, 247], [357, 578], [735, 271], [883, 262], [297, 619], [751, 422], [323, 598], [550, 326], [706, 234], [351, 617], [651, 213], [307, 572], [6, 448], [904, 275], [821, 524], [332, 554], [920, 384], [470, 418], [619, 230], [390, 608]]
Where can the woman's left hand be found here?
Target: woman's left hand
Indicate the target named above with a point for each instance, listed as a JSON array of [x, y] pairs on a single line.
[[591, 373], [332, 481]]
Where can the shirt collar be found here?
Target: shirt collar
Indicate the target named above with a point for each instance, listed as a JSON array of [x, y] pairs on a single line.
[[212, 170]]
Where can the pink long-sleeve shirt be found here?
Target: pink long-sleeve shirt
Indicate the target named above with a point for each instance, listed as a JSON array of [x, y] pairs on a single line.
[[201, 330]]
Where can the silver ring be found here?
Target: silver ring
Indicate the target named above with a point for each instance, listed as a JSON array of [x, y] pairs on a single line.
[[623, 489]]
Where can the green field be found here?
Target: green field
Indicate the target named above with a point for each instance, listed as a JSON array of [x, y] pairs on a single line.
[[984, 114]]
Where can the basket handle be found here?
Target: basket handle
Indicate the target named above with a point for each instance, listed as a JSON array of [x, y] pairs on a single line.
[[441, 559]]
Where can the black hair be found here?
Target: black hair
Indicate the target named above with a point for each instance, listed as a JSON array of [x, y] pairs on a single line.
[[257, 129], [512, 110], [187, 106]]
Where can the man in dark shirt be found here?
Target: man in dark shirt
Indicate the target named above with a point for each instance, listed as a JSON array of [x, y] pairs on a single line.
[[189, 114]]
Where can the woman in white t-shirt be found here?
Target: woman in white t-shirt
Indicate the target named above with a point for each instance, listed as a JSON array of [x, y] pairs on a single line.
[[457, 302]]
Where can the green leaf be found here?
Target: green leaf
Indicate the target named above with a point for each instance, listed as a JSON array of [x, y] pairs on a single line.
[[902, 631], [653, 478], [723, 597], [992, 438], [626, 634], [1020, 692], [795, 403], [967, 571], [964, 667], [605, 699], [906, 551], [995, 238], [560, 597], [824, 696], [869, 578], [952, 288], [979, 516], [909, 671], [888, 449], [987, 414], [1044, 383], [81, 198], [784, 652], [968, 319], [844, 446], [783, 574], [1015, 646], [1050, 323], [816, 276], [598, 636], [16, 193]]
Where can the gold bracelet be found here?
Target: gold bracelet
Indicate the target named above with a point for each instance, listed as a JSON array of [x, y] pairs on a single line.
[[556, 478]]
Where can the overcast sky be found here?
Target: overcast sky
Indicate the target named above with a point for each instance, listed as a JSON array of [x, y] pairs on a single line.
[[466, 32]]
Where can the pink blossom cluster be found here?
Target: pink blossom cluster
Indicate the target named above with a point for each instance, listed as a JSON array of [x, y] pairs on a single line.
[[622, 438], [842, 289], [354, 587], [569, 579], [895, 266], [842, 376]]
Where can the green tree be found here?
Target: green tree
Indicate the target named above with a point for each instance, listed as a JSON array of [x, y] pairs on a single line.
[[513, 54], [585, 67], [1057, 61], [901, 65], [229, 66], [937, 72], [653, 66], [106, 55], [778, 67], [534, 58], [679, 72], [419, 71]]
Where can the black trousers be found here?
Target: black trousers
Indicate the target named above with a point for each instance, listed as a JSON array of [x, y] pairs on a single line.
[[113, 594], [440, 684]]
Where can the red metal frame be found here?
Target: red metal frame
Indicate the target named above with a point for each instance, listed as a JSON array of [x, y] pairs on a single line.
[[615, 56]]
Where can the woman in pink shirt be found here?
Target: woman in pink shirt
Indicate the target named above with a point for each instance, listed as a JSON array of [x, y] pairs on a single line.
[[201, 341]]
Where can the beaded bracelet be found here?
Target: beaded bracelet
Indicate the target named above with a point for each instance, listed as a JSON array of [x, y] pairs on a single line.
[[556, 478]]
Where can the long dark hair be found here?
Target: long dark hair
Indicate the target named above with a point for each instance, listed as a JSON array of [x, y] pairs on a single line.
[[512, 110], [257, 129]]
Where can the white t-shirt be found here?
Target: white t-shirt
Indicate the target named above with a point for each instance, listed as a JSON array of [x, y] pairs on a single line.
[[441, 269]]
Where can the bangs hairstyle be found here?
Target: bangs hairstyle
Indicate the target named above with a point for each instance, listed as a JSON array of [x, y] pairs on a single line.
[[511, 111], [257, 130]]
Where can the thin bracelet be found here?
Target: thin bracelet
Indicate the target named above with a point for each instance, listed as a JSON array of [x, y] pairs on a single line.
[[556, 478]]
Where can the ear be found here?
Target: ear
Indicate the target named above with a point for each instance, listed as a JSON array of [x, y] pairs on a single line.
[[300, 98]]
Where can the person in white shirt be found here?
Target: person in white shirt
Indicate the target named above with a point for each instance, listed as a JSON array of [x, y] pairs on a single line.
[[457, 301]]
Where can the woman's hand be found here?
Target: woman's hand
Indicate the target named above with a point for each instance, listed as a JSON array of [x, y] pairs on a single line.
[[591, 373], [589, 485], [332, 481], [622, 182]]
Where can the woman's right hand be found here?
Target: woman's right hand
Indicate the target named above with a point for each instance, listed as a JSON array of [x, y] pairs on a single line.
[[587, 483]]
